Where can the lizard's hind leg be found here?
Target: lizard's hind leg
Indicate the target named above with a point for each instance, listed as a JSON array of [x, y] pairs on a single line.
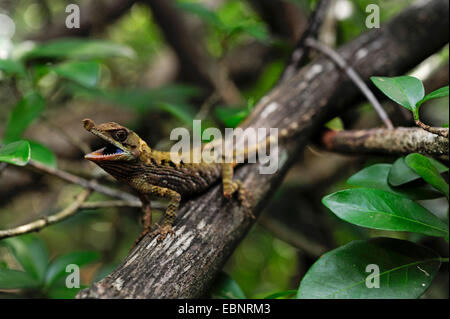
[[230, 187]]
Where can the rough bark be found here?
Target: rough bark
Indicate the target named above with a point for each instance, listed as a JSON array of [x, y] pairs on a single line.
[[399, 141], [209, 227]]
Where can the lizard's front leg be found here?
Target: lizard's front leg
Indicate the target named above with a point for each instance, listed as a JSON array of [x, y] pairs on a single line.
[[171, 211], [230, 187], [146, 218]]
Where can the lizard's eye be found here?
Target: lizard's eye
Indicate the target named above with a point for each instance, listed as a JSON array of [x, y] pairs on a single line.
[[120, 135]]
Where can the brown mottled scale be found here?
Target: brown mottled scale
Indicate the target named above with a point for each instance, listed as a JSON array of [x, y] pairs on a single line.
[[159, 170]]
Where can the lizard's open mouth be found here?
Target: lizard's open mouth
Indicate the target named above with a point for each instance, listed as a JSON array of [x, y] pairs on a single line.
[[108, 152]]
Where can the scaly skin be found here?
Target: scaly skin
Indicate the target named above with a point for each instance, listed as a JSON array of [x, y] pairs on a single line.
[[152, 173]]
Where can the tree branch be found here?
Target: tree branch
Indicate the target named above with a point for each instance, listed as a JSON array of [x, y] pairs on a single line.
[[434, 130], [354, 76], [89, 184], [399, 141], [48, 220], [301, 50], [209, 227]]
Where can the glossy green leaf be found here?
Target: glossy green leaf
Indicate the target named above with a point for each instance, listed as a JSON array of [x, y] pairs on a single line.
[[42, 154], [12, 67], [225, 287], [57, 268], [405, 90], [376, 176], [83, 73], [405, 271], [17, 153], [400, 173], [79, 48], [442, 92], [15, 279], [31, 253], [378, 209], [22, 115], [281, 294], [424, 167]]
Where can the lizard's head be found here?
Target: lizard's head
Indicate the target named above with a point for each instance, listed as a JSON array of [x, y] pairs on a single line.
[[122, 144]]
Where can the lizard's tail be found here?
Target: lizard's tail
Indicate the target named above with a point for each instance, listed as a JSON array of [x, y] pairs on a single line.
[[268, 142]]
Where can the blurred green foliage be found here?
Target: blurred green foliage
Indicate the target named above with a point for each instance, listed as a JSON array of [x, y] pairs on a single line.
[[39, 79]]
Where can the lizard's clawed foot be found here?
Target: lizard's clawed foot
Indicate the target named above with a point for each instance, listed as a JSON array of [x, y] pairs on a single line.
[[162, 231], [244, 196]]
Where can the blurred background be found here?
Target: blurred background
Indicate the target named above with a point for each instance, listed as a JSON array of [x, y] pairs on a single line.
[[154, 66]]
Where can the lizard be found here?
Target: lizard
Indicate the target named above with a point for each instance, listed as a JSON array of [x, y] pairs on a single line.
[[153, 174]]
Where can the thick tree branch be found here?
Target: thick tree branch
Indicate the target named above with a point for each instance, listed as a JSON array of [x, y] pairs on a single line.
[[209, 227], [399, 141]]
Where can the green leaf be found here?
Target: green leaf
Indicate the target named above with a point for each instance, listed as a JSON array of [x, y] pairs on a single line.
[[83, 73], [22, 115], [406, 270], [17, 153], [12, 67], [281, 294], [225, 287], [172, 99], [376, 176], [232, 116], [405, 90], [259, 32], [201, 11], [79, 48], [400, 173], [31, 253], [42, 154], [57, 268], [442, 92], [423, 166], [335, 124], [378, 209], [15, 279]]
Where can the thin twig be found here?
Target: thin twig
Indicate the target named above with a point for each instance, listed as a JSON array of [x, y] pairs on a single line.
[[72, 140], [119, 203], [296, 239], [435, 130], [333, 55], [90, 184], [301, 50], [48, 220]]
